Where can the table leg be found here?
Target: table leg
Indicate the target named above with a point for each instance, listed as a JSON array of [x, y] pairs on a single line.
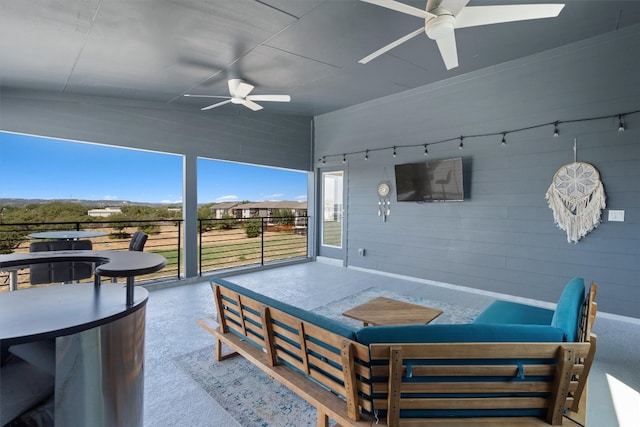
[[13, 280], [130, 291]]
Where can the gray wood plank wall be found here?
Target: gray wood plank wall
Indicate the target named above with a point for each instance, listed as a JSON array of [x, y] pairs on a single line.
[[502, 237], [232, 134]]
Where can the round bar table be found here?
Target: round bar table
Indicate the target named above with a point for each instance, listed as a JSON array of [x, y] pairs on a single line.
[[98, 334], [108, 263], [67, 235]]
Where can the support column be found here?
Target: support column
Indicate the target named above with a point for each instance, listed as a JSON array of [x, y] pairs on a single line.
[[190, 215]]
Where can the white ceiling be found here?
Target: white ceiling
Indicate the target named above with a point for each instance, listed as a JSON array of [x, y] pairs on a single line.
[[158, 50]]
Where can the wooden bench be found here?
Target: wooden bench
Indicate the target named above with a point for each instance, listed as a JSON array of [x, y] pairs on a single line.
[[327, 370], [528, 383]]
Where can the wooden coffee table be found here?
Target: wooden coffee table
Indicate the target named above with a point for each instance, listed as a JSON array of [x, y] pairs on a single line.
[[387, 311]]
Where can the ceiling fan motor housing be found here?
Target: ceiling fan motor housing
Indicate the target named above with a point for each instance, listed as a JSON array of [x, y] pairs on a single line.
[[442, 25]]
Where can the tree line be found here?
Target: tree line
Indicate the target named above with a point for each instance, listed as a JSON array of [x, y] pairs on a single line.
[[16, 222]]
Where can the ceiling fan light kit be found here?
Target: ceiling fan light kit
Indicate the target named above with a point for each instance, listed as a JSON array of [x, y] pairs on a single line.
[[443, 17], [440, 26]]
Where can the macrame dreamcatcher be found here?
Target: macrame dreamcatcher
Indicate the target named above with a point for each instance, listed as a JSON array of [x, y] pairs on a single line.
[[384, 197], [576, 197]]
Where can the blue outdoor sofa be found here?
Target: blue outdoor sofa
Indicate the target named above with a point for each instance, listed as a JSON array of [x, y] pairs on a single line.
[[502, 369]]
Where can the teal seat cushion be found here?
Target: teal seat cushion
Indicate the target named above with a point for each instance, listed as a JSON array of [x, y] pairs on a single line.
[[318, 320], [458, 333], [515, 313], [569, 309]]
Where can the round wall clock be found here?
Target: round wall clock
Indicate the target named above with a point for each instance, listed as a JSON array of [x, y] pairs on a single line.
[[384, 188]]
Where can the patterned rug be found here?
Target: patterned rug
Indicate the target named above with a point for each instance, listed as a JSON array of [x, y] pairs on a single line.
[[256, 400]]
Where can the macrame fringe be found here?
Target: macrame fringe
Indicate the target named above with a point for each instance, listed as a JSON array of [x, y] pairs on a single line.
[[576, 215]]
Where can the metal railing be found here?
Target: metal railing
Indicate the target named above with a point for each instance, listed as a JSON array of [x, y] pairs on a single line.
[[223, 243], [238, 242]]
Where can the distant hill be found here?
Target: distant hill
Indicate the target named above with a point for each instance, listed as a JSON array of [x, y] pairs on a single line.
[[92, 203]]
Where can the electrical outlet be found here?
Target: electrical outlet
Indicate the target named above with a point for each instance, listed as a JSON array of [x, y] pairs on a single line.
[[616, 215]]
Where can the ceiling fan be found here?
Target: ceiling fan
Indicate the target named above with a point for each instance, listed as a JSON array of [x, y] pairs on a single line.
[[239, 94], [442, 17]]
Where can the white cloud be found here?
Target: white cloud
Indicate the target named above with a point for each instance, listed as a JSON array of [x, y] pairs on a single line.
[[228, 198], [170, 202], [108, 197], [273, 197], [302, 198]]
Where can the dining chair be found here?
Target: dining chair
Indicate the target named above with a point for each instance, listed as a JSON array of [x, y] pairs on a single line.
[[60, 272], [137, 243]]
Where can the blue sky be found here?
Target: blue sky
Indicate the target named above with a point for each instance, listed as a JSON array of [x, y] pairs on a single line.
[[44, 168]]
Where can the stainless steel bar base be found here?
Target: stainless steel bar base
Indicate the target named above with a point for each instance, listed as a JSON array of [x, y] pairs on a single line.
[[100, 375]]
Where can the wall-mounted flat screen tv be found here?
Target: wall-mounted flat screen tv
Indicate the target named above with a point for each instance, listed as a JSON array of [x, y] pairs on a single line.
[[431, 181]]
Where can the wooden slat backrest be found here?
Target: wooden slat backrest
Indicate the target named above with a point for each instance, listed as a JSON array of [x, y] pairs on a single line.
[[459, 376], [585, 334], [589, 313], [240, 314], [335, 362], [319, 353]]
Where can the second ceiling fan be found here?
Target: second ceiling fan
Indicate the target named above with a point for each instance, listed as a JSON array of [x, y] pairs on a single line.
[[442, 17], [239, 94]]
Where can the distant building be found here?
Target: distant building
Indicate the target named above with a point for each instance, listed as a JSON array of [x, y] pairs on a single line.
[[220, 209], [267, 209], [105, 212], [256, 209]]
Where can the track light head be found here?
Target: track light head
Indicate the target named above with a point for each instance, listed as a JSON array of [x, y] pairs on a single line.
[[394, 151], [425, 150], [366, 155], [504, 139], [620, 123], [556, 133], [344, 158], [461, 146]]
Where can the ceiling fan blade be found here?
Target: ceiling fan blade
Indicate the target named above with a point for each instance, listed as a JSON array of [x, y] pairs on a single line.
[[448, 50], [400, 7], [251, 105], [206, 96], [474, 16], [243, 89], [233, 86], [390, 46], [274, 98], [215, 105]]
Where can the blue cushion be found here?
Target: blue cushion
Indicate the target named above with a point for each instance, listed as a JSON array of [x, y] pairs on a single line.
[[316, 319], [458, 333], [515, 313], [569, 309]]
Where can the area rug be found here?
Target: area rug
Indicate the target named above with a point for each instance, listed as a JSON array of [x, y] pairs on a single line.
[[256, 400]]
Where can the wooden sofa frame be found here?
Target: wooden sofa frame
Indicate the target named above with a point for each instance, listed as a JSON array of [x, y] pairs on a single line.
[[287, 349], [285, 355]]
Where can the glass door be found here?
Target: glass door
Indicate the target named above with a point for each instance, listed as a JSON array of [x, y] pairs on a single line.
[[332, 230]]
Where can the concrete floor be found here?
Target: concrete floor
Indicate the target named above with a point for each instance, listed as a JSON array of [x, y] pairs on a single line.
[[173, 399]]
